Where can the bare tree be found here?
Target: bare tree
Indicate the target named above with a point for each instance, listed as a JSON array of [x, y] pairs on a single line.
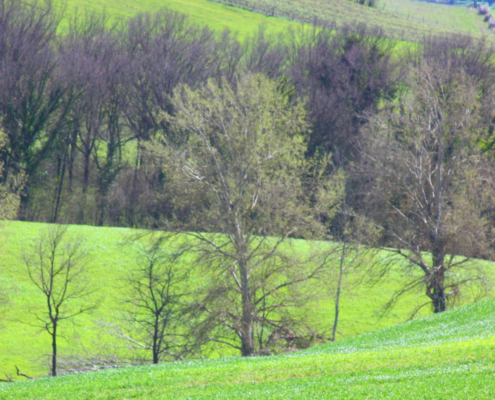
[[55, 267], [156, 290], [351, 252], [34, 103], [432, 184], [245, 155], [343, 74]]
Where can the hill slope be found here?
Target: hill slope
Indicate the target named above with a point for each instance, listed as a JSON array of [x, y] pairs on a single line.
[[443, 356], [202, 12], [406, 20], [108, 258]]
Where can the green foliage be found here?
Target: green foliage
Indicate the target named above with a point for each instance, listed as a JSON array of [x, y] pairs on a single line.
[[446, 356], [244, 149], [245, 153]]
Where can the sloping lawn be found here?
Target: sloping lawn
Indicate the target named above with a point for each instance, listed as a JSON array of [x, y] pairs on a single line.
[[439, 357]]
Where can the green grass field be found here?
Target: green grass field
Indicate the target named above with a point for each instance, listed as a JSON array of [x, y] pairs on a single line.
[[201, 12], [447, 356], [108, 257], [406, 20]]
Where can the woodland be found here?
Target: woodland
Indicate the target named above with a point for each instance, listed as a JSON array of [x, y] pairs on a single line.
[[230, 151]]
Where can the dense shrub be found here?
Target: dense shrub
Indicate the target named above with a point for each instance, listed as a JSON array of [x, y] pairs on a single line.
[[483, 10]]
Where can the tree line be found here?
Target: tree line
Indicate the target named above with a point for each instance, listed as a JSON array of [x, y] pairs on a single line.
[[244, 148]]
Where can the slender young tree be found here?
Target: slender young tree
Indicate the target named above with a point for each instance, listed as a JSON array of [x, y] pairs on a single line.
[[155, 303], [350, 255], [54, 265]]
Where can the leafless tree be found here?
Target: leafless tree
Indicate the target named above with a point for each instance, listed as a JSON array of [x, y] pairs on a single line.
[[34, 103], [351, 254], [344, 75], [86, 57], [154, 315], [432, 184], [56, 268]]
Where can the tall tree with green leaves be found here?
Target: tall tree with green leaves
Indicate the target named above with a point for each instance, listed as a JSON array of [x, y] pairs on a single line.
[[245, 154]]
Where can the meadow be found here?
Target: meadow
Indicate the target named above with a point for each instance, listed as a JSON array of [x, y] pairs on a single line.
[[201, 12], [444, 356], [109, 255], [407, 20]]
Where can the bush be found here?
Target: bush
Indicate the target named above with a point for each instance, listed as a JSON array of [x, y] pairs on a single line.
[[369, 3], [483, 10]]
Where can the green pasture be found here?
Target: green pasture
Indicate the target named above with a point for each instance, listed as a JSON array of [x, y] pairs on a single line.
[[435, 17], [405, 20], [108, 256], [447, 356], [201, 12]]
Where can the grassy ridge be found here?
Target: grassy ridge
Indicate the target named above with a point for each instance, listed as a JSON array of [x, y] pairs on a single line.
[[443, 356], [108, 258]]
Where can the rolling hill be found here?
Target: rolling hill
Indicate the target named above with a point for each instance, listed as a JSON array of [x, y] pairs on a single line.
[[456, 349], [407, 20], [442, 357], [108, 257]]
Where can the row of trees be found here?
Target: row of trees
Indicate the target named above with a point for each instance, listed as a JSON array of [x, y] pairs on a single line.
[[245, 148], [245, 158], [79, 109]]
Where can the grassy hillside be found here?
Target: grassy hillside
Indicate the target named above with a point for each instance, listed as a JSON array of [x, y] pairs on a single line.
[[203, 12], [407, 20], [108, 257], [445, 356], [401, 19]]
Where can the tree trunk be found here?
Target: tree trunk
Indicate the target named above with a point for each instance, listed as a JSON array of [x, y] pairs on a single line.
[[439, 300], [247, 338], [22, 213], [435, 287], [247, 329], [337, 296], [87, 156], [72, 158], [54, 350], [436, 291], [156, 349], [61, 176]]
